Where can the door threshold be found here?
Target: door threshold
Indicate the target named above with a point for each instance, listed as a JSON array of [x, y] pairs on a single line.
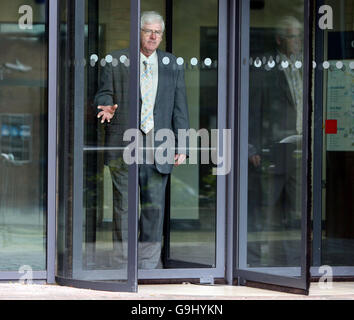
[[196, 281]]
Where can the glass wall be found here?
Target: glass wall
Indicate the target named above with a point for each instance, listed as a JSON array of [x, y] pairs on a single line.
[[275, 134], [23, 135], [105, 224], [338, 152], [195, 36]]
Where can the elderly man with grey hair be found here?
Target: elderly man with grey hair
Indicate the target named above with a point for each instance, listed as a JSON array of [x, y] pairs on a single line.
[[163, 105]]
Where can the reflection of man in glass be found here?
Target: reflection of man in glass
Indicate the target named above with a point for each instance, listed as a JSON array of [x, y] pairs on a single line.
[[163, 105], [276, 106], [289, 39]]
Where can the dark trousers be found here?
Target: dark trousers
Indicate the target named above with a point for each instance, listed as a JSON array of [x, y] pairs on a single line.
[[152, 188]]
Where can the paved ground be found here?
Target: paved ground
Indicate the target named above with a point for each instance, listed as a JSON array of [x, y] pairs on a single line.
[[17, 291]]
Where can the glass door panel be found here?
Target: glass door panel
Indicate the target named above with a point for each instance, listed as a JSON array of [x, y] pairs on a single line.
[[273, 222], [23, 141], [98, 218]]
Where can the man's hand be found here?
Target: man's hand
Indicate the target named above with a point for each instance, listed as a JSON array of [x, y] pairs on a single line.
[[179, 159], [107, 112], [255, 160]]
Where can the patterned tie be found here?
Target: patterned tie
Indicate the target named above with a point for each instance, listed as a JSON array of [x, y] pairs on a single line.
[[147, 108]]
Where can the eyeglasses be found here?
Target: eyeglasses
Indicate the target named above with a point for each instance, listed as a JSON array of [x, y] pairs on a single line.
[[149, 32]]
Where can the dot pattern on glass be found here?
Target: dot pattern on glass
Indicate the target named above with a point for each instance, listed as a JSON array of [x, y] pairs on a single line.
[[257, 63], [207, 62], [115, 62], [166, 61], [298, 64], [285, 64], [194, 61], [271, 64], [339, 65], [123, 58], [326, 65], [180, 61], [94, 57]]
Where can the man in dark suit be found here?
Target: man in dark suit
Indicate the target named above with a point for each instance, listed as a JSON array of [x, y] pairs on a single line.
[[276, 125], [163, 105]]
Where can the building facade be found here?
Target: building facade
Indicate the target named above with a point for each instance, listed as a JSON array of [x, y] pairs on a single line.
[[268, 199]]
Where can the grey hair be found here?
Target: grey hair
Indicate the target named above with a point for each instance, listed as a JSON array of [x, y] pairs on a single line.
[[285, 23], [149, 17]]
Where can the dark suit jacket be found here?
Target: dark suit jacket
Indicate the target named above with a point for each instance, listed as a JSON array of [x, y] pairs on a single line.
[[272, 117], [170, 111], [272, 114]]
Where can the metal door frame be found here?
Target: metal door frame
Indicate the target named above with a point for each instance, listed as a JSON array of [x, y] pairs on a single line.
[[79, 81]]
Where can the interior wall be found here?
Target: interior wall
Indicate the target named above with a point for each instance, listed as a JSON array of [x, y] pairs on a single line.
[[9, 10], [265, 17], [343, 13]]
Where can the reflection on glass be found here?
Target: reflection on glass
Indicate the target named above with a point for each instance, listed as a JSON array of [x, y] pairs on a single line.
[[105, 244], [23, 116], [94, 251], [275, 135]]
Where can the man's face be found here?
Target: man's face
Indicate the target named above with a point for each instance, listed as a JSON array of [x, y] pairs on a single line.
[[151, 37], [291, 43]]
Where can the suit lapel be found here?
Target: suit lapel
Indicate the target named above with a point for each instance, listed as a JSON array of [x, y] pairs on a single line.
[[160, 83]]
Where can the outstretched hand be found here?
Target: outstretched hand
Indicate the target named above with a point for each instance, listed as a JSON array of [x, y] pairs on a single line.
[[255, 160], [179, 159], [107, 112]]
